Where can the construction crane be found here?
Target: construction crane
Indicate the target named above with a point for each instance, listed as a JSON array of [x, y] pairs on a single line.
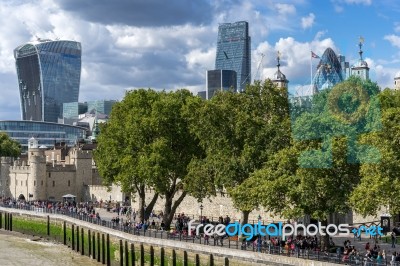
[[259, 67]]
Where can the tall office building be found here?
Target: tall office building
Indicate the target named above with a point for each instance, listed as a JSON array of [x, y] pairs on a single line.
[[233, 51], [49, 74], [329, 71], [218, 80]]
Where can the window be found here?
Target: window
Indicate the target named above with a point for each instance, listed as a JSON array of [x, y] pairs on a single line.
[[21, 183], [41, 183], [49, 175], [34, 183], [54, 183], [69, 183], [26, 183]]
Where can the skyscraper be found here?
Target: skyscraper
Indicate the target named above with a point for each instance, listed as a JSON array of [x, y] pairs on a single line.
[[218, 80], [233, 51], [329, 71], [49, 75]]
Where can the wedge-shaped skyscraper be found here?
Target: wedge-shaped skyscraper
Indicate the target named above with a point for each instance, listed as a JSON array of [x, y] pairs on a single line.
[[49, 75], [233, 51]]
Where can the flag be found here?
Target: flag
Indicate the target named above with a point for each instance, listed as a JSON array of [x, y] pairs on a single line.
[[314, 55]]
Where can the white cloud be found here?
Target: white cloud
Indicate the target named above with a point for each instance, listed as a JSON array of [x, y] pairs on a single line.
[[296, 58], [307, 22], [363, 2], [285, 9], [393, 39]]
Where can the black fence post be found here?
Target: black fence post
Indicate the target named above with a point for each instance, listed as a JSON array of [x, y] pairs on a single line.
[[109, 251], [10, 221], [226, 261], [126, 254], [211, 260], [1, 220], [90, 242], [94, 245], [173, 257], [185, 258], [82, 242], [197, 260], [121, 253], [103, 249], [65, 232], [98, 247], [73, 238], [6, 221], [77, 238], [142, 259], [162, 257], [151, 255], [133, 257], [48, 225]]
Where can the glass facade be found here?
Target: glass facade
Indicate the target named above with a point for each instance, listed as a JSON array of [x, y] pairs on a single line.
[[102, 106], [329, 71], [233, 51], [73, 110], [46, 133], [48, 75], [220, 80]]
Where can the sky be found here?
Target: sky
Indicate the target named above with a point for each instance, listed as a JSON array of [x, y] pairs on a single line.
[[158, 44]]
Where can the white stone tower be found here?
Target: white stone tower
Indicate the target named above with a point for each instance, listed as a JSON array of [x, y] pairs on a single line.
[[37, 179], [361, 68], [279, 78], [397, 81]]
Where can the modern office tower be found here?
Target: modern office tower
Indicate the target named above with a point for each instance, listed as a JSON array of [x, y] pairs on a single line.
[[218, 80], [73, 110], [202, 94], [49, 74], [101, 106], [233, 51], [345, 66], [361, 68], [329, 71]]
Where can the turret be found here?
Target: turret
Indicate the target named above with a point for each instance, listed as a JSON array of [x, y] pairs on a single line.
[[360, 68], [37, 179], [279, 78]]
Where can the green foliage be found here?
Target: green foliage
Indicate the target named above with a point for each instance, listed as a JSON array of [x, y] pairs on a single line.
[[239, 133], [147, 143], [9, 147]]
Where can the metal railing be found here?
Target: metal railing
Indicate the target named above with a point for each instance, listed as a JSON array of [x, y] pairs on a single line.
[[227, 242]]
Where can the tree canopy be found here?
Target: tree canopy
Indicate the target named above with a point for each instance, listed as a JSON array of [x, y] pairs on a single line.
[[8, 146]]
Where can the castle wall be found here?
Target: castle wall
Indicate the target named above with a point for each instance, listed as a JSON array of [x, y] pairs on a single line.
[[60, 183], [97, 193]]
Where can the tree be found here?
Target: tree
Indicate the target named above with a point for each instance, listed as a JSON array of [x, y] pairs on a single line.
[[8, 146], [318, 173], [122, 142], [380, 181], [147, 143], [239, 132]]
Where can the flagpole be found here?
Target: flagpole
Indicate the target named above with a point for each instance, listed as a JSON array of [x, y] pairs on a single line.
[[311, 89]]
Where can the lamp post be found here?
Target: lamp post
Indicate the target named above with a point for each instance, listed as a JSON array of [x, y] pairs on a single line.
[[201, 212]]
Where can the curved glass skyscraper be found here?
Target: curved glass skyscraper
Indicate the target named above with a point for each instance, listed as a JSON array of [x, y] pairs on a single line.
[[329, 71], [49, 75]]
